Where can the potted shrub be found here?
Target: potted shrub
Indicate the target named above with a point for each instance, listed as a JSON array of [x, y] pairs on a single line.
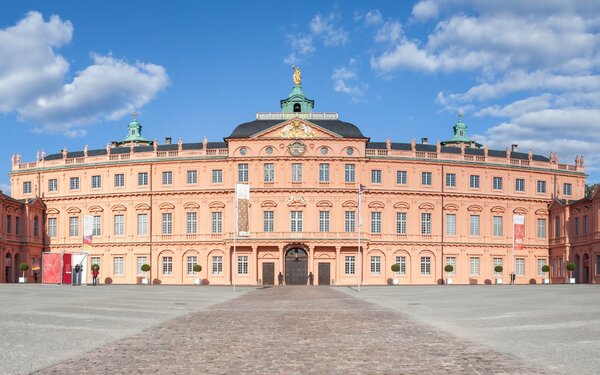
[[499, 269], [395, 270], [449, 268], [571, 267], [197, 268], [23, 267], [145, 268], [546, 270]]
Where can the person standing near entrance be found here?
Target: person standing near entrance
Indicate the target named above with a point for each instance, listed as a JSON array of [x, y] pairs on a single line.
[[280, 278], [95, 276], [311, 278]]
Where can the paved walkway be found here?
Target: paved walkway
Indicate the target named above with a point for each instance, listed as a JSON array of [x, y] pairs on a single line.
[[293, 330]]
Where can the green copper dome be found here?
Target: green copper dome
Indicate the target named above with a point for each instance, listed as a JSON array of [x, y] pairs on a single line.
[[460, 135], [134, 133]]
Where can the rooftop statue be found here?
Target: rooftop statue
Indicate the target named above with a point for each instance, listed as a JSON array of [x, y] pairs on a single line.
[[297, 76]]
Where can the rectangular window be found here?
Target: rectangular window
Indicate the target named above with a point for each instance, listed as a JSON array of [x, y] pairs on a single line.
[[597, 264], [95, 260], [497, 183], [401, 261], [401, 177], [36, 226], [541, 263], [8, 223], [268, 221], [376, 176], [97, 226], [167, 223], [557, 227], [27, 187], [140, 262], [53, 184], [119, 180], [192, 177], [426, 178], [217, 221], [497, 224], [191, 223], [375, 222], [217, 176], [451, 261], [349, 266], [541, 186], [191, 261], [143, 179], [350, 173], [474, 182], [142, 224], [497, 262], [119, 225], [167, 265], [541, 228], [269, 172], [375, 265], [520, 266], [52, 227], [576, 224], [560, 267], [96, 182], [296, 172], [425, 223], [451, 224], [74, 183], [323, 221], [567, 189], [474, 227], [296, 221], [474, 266], [217, 265], [243, 172], [425, 265], [242, 265], [349, 221], [450, 179], [73, 226], [520, 184], [167, 178], [17, 225], [400, 222], [585, 224], [118, 266], [324, 172]]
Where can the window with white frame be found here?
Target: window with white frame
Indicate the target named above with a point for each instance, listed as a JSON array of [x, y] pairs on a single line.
[[497, 262], [143, 179], [349, 173], [375, 222], [425, 223], [541, 186], [400, 222], [425, 265], [52, 227], [167, 265], [217, 265], [191, 261], [451, 224], [192, 177], [96, 182], [401, 261], [451, 179], [140, 262], [295, 221], [401, 177], [541, 228], [142, 224], [268, 221], [567, 189], [217, 176], [474, 182], [540, 264], [474, 266], [119, 180], [74, 183], [118, 266], [324, 172], [217, 221], [191, 222], [451, 261], [27, 187], [497, 226], [242, 265], [497, 183], [296, 172], [167, 178], [269, 172], [97, 225], [376, 176], [474, 225], [520, 184], [520, 266], [167, 223], [243, 172], [95, 260], [349, 265], [349, 221], [426, 178], [73, 226], [375, 265], [323, 221], [119, 225], [53, 184]]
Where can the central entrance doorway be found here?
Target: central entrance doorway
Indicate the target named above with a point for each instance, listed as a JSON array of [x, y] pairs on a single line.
[[296, 267]]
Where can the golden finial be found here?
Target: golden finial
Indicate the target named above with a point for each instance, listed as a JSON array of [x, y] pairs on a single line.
[[134, 114], [297, 75]]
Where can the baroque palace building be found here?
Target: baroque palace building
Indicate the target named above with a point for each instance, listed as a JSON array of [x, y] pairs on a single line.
[[424, 205]]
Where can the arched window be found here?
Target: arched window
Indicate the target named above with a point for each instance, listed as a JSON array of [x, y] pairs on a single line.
[[297, 107]]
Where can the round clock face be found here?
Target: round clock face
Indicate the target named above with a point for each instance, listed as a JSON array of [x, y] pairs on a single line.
[[324, 150], [269, 150], [349, 151], [243, 151], [297, 148]]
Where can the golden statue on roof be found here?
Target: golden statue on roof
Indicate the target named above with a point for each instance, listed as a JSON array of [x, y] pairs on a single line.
[[297, 75]]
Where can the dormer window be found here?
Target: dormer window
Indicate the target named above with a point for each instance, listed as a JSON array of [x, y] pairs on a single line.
[[297, 107]]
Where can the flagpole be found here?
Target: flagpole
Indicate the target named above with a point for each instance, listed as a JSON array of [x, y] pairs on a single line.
[[359, 227], [235, 223], [514, 266]]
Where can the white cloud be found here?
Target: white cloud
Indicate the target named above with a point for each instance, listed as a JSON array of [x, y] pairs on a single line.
[[324, 26], [32, 79], [301, 45], [373, 17], [425, 9], [391, 31], [345, 80]]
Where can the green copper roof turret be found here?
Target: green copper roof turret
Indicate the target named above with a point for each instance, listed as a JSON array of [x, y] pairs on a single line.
[[296, 101], [460, 135], [134, 133]]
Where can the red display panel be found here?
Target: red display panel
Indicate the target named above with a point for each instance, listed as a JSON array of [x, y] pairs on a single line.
[[52, 268], [67, 269]]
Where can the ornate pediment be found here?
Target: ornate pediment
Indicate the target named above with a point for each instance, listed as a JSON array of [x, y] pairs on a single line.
[[296, 128]]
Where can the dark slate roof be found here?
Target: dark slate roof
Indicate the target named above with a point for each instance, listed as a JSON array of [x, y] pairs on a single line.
[[344, 129]]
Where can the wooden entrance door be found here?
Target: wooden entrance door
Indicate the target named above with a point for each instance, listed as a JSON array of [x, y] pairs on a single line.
[[268, 273], [324, 274], [296, 267]]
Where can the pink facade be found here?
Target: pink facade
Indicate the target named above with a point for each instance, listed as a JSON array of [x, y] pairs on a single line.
[[425, 206]]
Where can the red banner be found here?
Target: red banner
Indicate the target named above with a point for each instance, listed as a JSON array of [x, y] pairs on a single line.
[[52, 268], [519, 231]]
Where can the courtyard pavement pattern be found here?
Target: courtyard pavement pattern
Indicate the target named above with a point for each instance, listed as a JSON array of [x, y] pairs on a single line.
[[288, 330]]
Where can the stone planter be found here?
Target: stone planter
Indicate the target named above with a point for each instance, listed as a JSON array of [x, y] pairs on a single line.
[[545, 281], [395, 281], [22, 280], [449, 281], [145, 281], [571, 280], [197, 281], [498, 281]]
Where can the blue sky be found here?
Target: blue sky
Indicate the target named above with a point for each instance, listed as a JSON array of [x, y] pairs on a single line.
[[524, 72]]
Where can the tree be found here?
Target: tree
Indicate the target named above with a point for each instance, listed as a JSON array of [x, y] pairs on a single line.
[[95, 267], [449, 268], [145, 268], [498, 269], [23, 267], [197, 268], [395, 267], [571, 267]]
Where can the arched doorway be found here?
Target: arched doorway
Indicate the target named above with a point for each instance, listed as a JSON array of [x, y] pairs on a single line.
[[585, 269], [296, 267], [7, 273], [577, 268]]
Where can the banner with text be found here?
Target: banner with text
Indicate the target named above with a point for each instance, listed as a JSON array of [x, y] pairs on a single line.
[[519, 231], [242, 196]]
